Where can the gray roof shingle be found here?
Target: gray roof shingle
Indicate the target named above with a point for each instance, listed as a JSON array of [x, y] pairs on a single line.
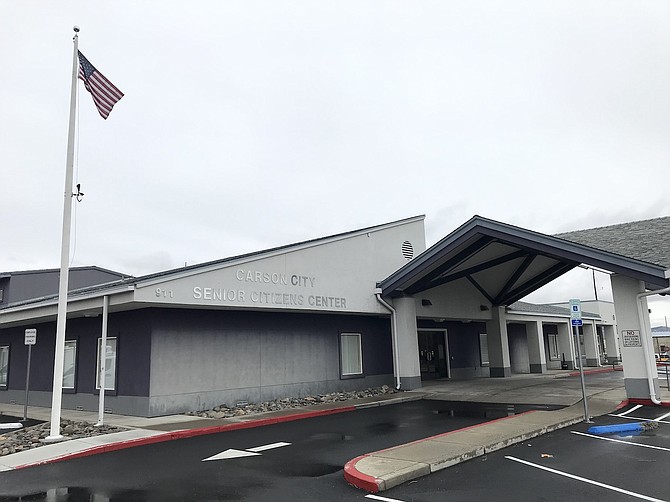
[[645, 240]]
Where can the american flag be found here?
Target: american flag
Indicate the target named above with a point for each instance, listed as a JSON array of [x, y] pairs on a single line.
[[105, 94]]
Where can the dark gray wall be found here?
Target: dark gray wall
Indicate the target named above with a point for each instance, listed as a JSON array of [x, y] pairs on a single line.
[[201, 359], [172, 360], [132, 330]]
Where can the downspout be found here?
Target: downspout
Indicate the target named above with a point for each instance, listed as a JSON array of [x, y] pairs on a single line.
[[394, 336], [645, 347]]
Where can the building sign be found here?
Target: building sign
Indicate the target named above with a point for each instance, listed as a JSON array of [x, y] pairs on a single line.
[[631, 338], [262, 288]]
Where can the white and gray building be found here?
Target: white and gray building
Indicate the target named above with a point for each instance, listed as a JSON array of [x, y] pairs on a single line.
[[349, 311]]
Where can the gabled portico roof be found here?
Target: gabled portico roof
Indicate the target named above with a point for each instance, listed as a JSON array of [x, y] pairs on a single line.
[[506, 263]]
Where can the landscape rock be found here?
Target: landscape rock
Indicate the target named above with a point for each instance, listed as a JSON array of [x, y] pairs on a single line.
[[32, 437], [223, 411]]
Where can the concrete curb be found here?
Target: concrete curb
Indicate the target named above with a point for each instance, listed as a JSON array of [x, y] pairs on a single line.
[[381, 470], [596, 370]]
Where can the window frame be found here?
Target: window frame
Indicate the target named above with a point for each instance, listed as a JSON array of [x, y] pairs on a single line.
[[108, 390], [484, 346], [554, 337], [73, 389], [5, 385], [359, 373]]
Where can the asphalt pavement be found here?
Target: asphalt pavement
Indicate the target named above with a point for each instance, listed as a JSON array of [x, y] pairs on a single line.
[[380, 470]]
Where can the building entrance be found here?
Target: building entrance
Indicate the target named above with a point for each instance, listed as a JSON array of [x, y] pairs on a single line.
[[433, 355]]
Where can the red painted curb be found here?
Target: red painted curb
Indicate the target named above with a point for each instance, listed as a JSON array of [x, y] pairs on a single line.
[[170, 436], [647, 402], [598, 370], [358, 479], [371, 484], [622, 404]]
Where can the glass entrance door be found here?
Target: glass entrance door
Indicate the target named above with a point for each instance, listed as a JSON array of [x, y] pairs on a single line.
[[432, 355]]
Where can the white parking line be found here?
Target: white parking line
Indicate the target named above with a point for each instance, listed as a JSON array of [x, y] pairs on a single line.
[[640, 419], [662, 448], [660, 419], [637, 406], [585, 480], [383, 499]]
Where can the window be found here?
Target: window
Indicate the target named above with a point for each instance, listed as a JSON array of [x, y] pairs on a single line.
[[484, 349], [2, 294], [110, 364], [4, 366], [69, 364], [351, 354], [552, 340]]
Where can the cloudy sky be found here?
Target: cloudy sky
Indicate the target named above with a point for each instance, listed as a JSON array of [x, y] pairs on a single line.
[[251, 124]]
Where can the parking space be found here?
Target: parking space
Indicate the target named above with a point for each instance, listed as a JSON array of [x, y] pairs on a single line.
[[568, 464]]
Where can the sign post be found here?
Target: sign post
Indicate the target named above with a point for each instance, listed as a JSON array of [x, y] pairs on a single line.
[[576, 321], [30, 340]]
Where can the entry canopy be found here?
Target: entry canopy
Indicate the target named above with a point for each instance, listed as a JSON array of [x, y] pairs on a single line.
[[506, 263]]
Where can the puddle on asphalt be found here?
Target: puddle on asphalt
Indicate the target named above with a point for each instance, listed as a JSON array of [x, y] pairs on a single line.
[[310, 470], [331, 436], [491, 411]]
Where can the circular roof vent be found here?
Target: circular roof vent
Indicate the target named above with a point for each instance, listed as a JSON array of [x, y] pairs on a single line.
[[407, 250]]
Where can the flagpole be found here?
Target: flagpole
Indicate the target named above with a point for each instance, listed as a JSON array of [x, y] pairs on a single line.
[[57, 395]]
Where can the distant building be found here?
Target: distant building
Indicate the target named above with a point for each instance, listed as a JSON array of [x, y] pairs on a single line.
[[661, 338], [21, 286]]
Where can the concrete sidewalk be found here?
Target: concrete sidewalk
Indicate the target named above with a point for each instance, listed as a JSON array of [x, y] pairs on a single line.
[[381, 470]]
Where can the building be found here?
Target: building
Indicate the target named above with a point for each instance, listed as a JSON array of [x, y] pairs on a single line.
[[17, 287], [349, 311]]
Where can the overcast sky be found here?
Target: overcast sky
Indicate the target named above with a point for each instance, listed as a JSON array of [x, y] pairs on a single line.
[[248, 124]]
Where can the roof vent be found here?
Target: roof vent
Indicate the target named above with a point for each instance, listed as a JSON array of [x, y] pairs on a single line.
[[407, 250]]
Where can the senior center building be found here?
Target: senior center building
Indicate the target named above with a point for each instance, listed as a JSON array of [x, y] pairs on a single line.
[[349, 311]]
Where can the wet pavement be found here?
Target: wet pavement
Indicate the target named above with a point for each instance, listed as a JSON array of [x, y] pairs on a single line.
[[513, 408]]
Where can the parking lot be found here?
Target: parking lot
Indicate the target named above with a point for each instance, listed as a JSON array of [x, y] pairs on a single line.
[[570, 464]]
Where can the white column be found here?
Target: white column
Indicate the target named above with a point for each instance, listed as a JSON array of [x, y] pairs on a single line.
[[496, 328], [536, 353], [408, 343], [566, 345], [591, 344], [612, 344], [624, 290]]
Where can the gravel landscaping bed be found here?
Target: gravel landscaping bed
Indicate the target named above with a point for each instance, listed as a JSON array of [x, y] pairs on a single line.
[[290, 403], [31, 437]]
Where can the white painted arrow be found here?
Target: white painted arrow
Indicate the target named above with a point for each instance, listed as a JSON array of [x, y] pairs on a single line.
[[224, 455], [268, 447], [250, 452]]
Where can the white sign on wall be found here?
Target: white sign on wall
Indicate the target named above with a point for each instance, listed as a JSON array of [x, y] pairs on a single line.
[[31, 336], [631, 338]]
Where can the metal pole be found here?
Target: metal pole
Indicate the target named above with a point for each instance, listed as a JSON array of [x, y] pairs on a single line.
[[57, 393], [25, 403], [587, 418]]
